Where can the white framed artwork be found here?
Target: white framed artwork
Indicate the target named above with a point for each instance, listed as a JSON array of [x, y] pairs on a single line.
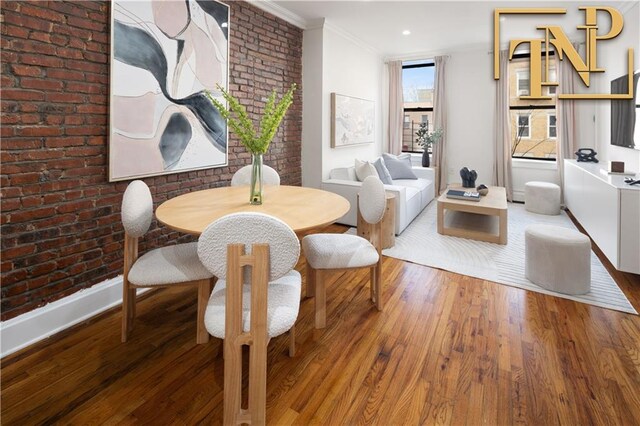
[[164, 55], [352, 120]]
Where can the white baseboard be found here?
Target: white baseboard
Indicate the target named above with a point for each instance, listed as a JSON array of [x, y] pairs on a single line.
[[31, 327], [518, 196]]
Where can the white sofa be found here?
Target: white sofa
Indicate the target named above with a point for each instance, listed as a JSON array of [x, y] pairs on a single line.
[[412, 195]]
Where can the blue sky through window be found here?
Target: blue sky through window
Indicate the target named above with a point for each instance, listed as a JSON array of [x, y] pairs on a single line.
[[417, 80]]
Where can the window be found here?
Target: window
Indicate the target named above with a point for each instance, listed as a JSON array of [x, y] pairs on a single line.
[[533, 122], [418, 79], [523, 83], [524, 121], [551, 126]]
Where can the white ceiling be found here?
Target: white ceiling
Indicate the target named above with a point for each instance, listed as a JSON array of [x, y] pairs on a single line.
[[436, 26]]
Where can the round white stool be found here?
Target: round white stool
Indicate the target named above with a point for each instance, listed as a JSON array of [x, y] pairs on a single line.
[[542, 197], [558, 259]]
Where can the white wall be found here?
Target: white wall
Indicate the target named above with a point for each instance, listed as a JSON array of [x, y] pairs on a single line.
[[312, 107], [612, 56], [349, 69], [332, 62]]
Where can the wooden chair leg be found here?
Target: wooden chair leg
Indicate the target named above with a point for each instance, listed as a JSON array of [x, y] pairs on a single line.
[[128, 309], [204, 291], [320, 299], [310, 288], [232, 381], [292, 341], [372, 285], [378, 285], [258, 383]]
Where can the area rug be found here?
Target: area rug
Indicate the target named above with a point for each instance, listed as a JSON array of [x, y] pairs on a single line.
[[420, 243]]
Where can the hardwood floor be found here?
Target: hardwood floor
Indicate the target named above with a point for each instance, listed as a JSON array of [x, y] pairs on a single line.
[[448, 349]]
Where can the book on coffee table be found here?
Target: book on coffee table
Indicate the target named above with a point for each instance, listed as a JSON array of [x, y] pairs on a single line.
[[463, 195]]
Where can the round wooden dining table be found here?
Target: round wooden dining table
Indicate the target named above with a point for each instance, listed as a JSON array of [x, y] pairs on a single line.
[[301, 208]]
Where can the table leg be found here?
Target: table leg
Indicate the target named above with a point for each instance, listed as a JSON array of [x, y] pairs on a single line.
[[503, 227], [440, 218]]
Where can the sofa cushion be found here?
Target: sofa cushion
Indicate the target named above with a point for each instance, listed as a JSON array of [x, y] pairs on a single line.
[[399, 168], [412, 192], [422, 185], [364, 169], [418, 183], [383, 172]]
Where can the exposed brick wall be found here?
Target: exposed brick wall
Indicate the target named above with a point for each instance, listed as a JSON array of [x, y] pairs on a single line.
[[61, 227]]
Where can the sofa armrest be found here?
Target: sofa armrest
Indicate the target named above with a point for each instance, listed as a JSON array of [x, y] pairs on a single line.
[[349, 189], [425, 173]]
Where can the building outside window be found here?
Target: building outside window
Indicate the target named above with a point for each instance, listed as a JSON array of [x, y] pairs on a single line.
[[524, 126], [551, 126], [533, 122], [418, 79]]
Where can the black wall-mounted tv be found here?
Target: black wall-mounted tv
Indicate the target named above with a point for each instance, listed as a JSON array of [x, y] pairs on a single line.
[[625, 113]]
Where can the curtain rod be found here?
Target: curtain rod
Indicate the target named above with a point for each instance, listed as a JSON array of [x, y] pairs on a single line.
[[415, 59]]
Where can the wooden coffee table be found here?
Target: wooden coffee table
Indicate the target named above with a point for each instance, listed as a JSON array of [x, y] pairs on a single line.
[[492, 204]]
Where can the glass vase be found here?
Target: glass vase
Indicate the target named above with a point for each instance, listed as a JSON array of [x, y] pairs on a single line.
[[255, 197]]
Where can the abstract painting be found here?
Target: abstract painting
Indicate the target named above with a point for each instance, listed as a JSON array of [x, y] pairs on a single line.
[[352, 120], [164, 55]]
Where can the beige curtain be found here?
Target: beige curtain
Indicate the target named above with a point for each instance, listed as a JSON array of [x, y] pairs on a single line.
[[566, 143], [440, 122], [502, 129], [396, 108]]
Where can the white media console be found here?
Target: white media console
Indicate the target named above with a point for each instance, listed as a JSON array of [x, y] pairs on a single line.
[[608, 209]]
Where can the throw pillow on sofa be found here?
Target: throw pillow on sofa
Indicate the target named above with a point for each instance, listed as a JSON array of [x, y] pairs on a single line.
[[364, 169], [383, 172], [399, 167]]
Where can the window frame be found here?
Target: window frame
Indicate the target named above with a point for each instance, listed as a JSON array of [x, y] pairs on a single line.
[[555, 125], [519, 79], [532, 108], [418, 109], [528, 115]]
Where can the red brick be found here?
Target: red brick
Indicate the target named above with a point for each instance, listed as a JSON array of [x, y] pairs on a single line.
[[65, 74], [47, 14], [37, 83], [26, 70], [45, 61], [22, 95], [40, 131]]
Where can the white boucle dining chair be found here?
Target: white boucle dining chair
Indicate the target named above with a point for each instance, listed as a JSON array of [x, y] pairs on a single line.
[[249, 306], [243, 176], [328, 252], [173, 265]]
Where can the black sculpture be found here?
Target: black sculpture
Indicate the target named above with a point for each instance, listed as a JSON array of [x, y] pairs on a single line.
[[468, 177], [586, 155]]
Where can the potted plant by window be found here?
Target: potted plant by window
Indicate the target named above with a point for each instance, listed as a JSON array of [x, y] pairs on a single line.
[[426, 139], [256, 141]]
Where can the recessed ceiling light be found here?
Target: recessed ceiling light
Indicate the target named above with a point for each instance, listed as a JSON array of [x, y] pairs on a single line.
[[406, 32]]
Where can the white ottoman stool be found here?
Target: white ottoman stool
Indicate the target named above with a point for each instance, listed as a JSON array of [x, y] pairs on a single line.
[[558, 259], [542, 197]]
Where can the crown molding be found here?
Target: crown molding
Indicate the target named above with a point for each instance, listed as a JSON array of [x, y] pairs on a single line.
[[280, 12], [347, 35], [305, 24]]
